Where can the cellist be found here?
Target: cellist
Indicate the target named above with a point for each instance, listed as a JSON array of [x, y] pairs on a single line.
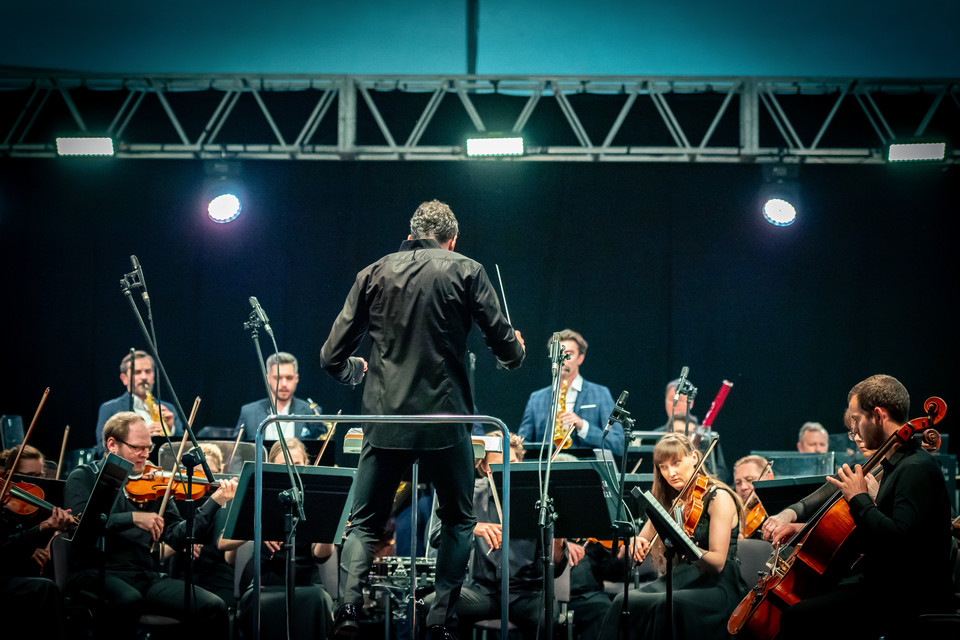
[[704, 593], [904, 536]]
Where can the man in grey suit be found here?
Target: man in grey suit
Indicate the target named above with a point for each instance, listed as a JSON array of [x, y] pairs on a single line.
[[283, 376]]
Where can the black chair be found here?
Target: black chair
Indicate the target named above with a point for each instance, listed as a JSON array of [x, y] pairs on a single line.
[[753, 556]]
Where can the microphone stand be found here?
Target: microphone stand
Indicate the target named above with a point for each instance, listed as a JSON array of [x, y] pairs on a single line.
[[548, 516], [292, 498], [128, 283], [624, 529]]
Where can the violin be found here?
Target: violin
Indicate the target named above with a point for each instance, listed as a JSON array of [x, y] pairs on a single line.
[[152, 484], [693, 505], [753, 519], [25, 499]]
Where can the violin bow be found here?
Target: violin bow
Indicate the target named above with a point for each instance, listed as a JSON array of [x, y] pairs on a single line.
[[690, 480], [233, 452], [63, 450], [763, 472], [16, 460], [173, 472], [331, 429]]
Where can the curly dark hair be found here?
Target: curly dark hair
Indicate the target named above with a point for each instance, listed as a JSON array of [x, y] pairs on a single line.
[[434, 219]]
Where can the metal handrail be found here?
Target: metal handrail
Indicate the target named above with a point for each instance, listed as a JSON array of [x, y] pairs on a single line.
[[419, 419]]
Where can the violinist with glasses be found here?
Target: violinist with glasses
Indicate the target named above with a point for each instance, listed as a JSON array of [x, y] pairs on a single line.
[[134, 584], [706, 592]]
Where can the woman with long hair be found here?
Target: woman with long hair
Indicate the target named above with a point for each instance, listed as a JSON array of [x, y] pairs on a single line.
[[705, 592]]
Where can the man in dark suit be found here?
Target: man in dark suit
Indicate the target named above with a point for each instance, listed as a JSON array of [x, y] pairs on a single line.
[[283, 375], [588, 405], [138, 398], [417, 305]]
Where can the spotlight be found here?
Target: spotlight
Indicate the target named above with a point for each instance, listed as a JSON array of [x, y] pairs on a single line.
[[934, 151], [224, 208], [779, 212], [495, 146], [780, 194], [84, 146]]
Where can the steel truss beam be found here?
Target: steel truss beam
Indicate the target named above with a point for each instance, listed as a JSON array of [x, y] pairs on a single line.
[[636, 119]]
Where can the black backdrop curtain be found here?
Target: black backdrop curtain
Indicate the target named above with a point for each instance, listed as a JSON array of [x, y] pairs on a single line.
[[658, 266]]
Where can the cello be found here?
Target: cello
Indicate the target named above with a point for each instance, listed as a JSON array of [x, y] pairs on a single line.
[[817, 546]]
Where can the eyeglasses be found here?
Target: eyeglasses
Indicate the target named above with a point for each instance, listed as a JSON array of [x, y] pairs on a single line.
[[851, 435], [148, 448]]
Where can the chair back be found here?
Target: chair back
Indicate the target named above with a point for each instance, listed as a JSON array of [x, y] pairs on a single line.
[[753, 556], [11, 431]]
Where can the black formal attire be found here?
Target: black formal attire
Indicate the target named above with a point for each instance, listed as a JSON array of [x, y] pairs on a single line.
[[589, 602], [134, 583], [905, 539], [312, 605], [417, 305], [702, 599], [24, 594], [481, 596]]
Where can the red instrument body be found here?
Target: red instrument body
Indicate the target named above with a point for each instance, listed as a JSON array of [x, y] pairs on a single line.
[[811, 568], [153, 485]]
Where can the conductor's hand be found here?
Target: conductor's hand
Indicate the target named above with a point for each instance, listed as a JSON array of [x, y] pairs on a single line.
[[152, 523], [491, 532], [520, 338], [228, 488]]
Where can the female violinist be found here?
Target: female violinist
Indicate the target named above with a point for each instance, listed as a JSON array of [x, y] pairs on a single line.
[[313, 606], [705, 593]]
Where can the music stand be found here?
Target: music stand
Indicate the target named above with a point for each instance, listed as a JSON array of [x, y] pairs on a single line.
[[583, 494], [113, 475], [328, 494], [675, 541], [775, 495]]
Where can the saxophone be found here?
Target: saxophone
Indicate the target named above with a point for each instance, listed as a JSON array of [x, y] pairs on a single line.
[[561, 434], [153, 407]]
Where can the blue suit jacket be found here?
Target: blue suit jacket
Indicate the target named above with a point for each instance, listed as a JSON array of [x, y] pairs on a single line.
[[253, 413], [594, 404], [122, 403]]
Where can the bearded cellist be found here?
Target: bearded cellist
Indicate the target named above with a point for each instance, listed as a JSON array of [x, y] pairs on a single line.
[[904, 535]]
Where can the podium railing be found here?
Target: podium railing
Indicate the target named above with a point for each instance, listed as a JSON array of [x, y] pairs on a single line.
[[418, 419]]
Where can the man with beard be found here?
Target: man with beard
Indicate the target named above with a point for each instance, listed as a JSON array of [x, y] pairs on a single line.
[[283, 376], [143, 404], [904, 535]]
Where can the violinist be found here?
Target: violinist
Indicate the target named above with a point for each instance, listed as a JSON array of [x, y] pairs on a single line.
[[746, 471], [704, 593], [38, 527], [24, 595], [133, 583], [313, 606], [904, 535]]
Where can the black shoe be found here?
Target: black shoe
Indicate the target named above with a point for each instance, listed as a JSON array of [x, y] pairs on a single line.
[[440, 632], [345, 625]]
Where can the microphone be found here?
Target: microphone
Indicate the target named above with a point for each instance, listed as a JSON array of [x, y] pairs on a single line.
[[680, 384], [618, 411], [261, 315], [554, 354], [143, 283]]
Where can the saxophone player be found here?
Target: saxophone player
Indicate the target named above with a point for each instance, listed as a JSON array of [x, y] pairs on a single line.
[[586, 405], [138, 387]]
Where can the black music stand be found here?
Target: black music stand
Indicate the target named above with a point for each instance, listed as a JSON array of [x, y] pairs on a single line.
[[113, 475], [328, 494], [675, 541], [584, 498], [775, 495]]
